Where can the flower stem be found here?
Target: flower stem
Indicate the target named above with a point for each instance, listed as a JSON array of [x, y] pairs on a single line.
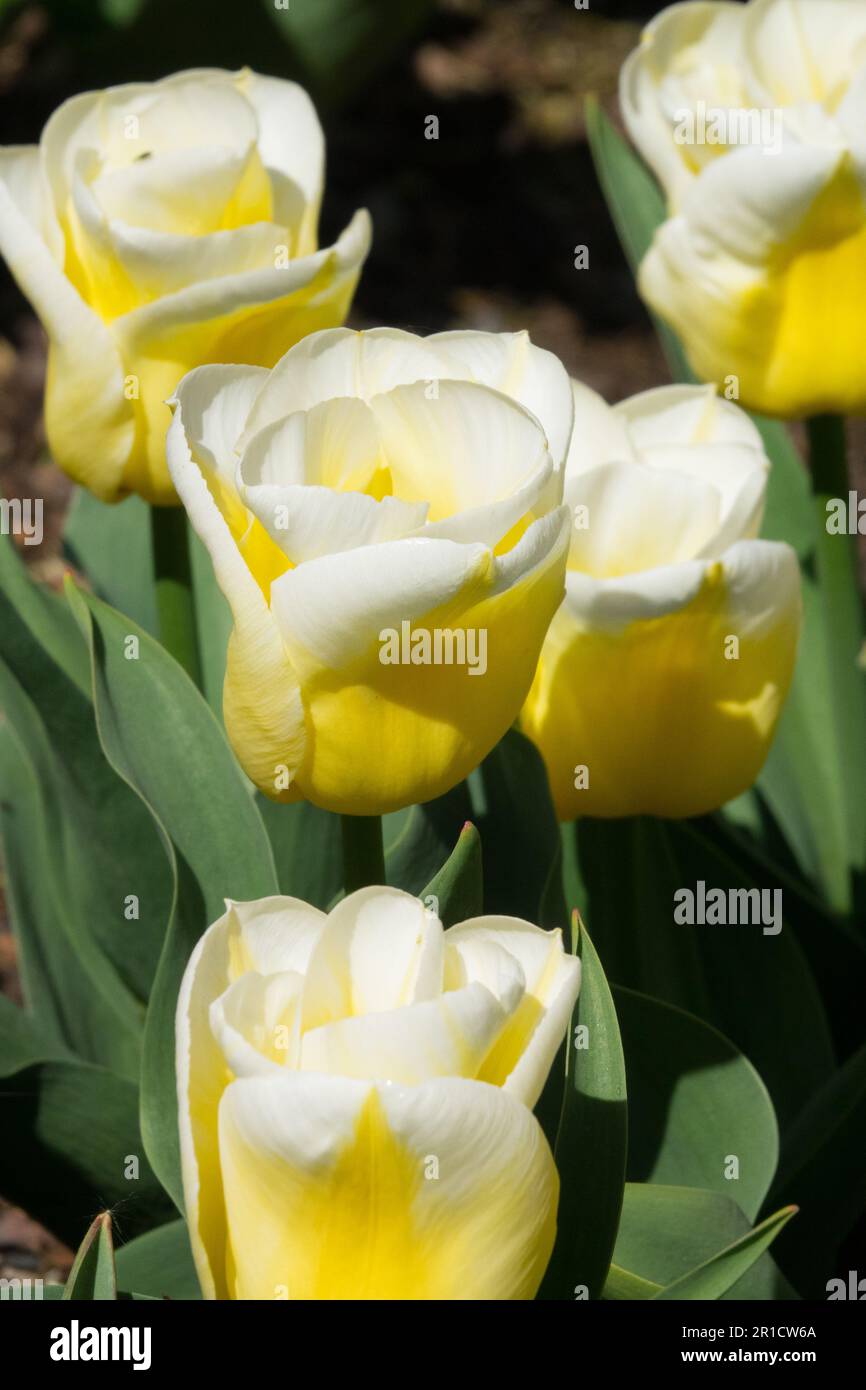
[[173, 579], [363, 852]]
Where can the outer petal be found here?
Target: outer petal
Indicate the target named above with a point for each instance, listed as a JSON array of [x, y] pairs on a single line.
[[261, 698], [524, 1053], [90, 424], [635, 685], [763, 274], [385, 735], [269, 935], [244, 318], [339, 1189]]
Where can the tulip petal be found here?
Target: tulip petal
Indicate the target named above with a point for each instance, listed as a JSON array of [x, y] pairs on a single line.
[[448, 1036], [524, 1053], [512, 364], [338, 1189], [89, 421], [380, 949], [671, 720], [261, 699]]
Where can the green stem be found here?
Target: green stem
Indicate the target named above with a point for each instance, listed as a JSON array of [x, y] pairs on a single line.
[[363, 852], [172, 574]]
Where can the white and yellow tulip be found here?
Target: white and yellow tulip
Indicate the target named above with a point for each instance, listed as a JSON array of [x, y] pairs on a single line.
[[371, 481], [157, 226], [355, 1095], [665, 670], [752, 117]]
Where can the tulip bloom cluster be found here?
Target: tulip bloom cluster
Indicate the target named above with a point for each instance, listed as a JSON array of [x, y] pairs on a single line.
[[751, 116], [355, 1095]]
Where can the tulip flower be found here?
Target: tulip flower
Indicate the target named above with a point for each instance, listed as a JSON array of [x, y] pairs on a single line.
[[751, 117], [355, 1094], [157, 226], [664, 671], [382, 515]]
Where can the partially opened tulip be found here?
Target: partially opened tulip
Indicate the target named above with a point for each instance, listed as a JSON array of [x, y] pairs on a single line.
[[382, 513], [752, 117], [355, 1095], [157, 226], [665, 670]]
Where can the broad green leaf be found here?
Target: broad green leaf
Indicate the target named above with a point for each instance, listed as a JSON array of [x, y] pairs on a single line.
[[716, 1276], [512, 809], [699, 1114], [153, 723], [105, 869], [22, 1041], [160, 1263], [50, 852], [307, 849], [112, 546], [420, 839], [458, 887], [92, 1276], [342, 43], [72, 1145], [626, 874], [591, 1143], [666, 1232], [823, 1172]]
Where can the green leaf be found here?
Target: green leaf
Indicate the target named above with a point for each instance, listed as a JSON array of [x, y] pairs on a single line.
[[92, 1275], [153, 723], [591, 1143], [111, 545], [625, 874], [213, 623], [22, 1041], [420, 839], [666, 1232], [85, 848], [822, 1170], [69, 1132], [512, 808], [307, 849], [342, 43], [458, 887], [717, 1275], [695, 1104], [160, 1263]]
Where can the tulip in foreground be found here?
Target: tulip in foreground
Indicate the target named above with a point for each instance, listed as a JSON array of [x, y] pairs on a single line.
[[356, 1094], [665, 670], [752, 117], [157, 226], [382, 513]]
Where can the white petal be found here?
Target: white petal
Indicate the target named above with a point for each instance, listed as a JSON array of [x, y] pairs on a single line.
[[448, 1036], [510, 363], [331, 610], [525, 1052], [685, 415], [329, 1190], [381, 949]]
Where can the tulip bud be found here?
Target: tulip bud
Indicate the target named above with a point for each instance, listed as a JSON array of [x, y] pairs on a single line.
[[664, 672], [355, 1094], [382, 515], [751, 116], [157, 226]]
